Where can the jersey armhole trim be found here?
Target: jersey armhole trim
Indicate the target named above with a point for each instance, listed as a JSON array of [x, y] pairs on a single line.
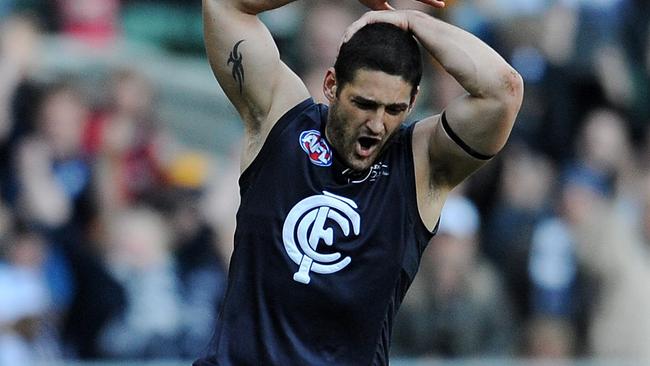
[[273, 135], [468, 149], [413, 197], [435, 229]]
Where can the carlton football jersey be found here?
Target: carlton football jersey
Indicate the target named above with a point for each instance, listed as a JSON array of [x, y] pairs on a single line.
[[322, 260]]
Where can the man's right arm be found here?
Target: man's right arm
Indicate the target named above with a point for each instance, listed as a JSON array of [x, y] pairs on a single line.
[[246, 62]]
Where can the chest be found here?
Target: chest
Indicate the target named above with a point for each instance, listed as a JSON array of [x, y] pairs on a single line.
[[315, 222]]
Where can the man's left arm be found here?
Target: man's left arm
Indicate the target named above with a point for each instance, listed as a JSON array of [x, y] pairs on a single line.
[[475, 126]]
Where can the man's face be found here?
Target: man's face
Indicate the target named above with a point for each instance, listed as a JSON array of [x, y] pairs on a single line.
[[365, 114]]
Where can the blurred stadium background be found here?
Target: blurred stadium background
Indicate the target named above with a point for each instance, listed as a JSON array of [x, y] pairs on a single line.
[[118, 170]]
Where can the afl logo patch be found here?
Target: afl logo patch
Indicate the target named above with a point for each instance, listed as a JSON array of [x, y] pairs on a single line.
[[316, 148]]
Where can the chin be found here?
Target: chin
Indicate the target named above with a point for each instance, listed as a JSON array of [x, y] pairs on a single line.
[[360, 165]]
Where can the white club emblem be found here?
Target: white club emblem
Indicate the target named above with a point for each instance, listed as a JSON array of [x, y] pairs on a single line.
[[306, 222]]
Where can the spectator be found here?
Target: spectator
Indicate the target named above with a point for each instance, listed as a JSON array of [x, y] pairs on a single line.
[[53, 173], [604, 147], [161, 307], [560, 289], [125, 141], [27, 323], [459, 298], [19, 46], [526, 184], [196, 248], [612, 252], [138, 258], [18, 42], [23, 302], [95, 22]]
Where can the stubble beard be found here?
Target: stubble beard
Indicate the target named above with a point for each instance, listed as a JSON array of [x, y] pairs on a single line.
[[343, 141]]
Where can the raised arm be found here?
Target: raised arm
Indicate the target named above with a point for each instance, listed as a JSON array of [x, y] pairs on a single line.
[[19, 40], [475, 126], [247, 65]]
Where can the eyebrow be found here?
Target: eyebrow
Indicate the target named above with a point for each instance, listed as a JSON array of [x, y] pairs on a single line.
[[362, 100]]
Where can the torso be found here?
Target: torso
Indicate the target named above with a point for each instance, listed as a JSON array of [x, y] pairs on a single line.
[[321, 262]]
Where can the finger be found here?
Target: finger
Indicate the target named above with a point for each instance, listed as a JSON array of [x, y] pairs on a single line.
[[434, 3], [383, 6], [354, 27]]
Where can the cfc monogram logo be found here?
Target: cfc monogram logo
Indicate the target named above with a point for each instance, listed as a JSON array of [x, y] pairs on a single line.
[[306, 223]]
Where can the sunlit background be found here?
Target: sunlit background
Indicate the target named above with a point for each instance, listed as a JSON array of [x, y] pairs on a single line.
[[119, 166]]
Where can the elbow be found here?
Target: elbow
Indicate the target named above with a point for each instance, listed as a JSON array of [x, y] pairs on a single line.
[[250, 7], [508, 103], [512, 90]]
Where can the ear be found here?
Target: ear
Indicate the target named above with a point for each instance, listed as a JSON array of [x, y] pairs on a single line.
[[329, 85], [413, 99]]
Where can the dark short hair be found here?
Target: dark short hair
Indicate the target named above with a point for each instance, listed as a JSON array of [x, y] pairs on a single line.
[[380, 47]]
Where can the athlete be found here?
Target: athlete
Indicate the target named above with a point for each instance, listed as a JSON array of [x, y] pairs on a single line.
[[338, 202]]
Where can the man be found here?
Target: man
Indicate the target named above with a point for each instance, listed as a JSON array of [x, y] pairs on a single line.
[[338, 204]]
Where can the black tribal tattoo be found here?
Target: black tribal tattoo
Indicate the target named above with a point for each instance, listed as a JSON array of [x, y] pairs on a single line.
[[237, 66]]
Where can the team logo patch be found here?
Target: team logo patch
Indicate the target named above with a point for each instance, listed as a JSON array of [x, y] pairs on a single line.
[[316, 148], [305, 228]]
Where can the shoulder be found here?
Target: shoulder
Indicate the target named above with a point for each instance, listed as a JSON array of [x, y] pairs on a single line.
[[307, 108], [303, 116]]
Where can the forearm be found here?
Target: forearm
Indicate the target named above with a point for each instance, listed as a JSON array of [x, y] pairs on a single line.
[[43, 199], [41, 195], [480, 70]]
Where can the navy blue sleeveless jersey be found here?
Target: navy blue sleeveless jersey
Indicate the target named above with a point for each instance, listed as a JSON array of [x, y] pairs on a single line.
[[321, 261]]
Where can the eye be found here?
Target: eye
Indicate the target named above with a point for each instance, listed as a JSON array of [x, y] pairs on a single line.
[[365, 105], [394, 111]]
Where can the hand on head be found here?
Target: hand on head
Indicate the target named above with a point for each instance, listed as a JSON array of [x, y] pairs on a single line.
[[398, 18], [385, 13]]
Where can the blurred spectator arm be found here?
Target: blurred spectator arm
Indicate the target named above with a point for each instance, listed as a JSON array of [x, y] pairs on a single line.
[[18, 40], [42, 197]]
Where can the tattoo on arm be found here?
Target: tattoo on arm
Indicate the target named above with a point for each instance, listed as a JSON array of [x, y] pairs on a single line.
[[236, 59]]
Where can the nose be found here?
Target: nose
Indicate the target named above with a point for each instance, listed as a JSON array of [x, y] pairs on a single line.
[[375, 122]]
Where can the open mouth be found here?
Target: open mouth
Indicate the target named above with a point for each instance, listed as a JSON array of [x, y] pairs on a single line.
[[366, 145]]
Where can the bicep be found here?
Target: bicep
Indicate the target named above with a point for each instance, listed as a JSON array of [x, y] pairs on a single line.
[[449, 160], [247, 65], [469, 132], [483, 124]]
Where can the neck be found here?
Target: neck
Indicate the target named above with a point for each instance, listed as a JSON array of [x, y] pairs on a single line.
[[343, 174]]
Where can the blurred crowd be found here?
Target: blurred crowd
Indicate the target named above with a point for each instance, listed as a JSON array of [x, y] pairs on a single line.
[[115, 236]]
